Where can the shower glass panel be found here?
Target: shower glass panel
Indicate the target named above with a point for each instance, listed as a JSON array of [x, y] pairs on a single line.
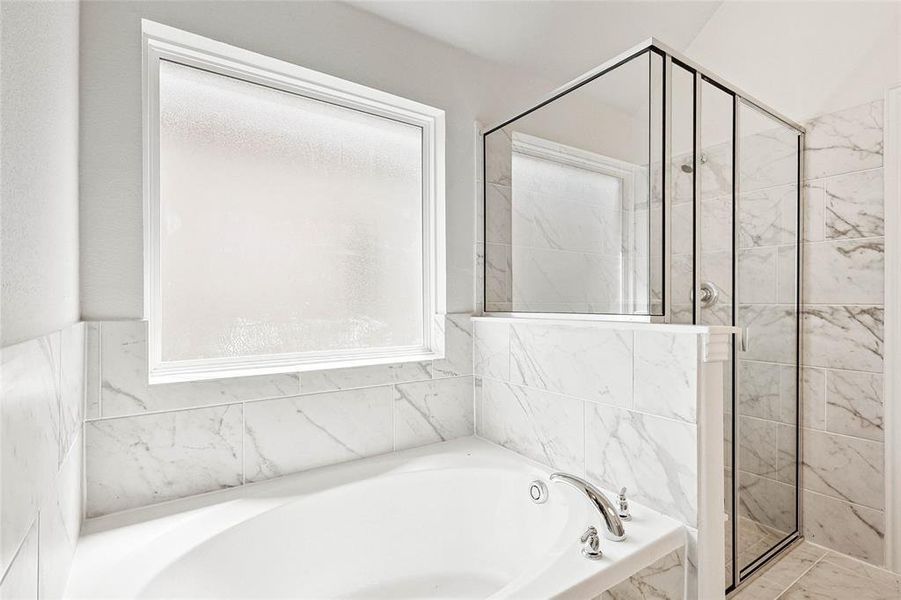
[[767, 401], [649, 189], [574, 199]]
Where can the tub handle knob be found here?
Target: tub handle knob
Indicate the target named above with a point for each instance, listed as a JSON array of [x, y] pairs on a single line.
[[624, 513], [591, 544]]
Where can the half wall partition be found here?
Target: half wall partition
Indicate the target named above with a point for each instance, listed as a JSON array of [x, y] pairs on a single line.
[[649, 189]]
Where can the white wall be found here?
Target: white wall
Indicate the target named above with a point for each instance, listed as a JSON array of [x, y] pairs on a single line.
[[38, 168], [329, 37], [804, 58]]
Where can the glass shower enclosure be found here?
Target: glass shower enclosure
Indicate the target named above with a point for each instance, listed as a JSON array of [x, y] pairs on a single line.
[[649, 189]]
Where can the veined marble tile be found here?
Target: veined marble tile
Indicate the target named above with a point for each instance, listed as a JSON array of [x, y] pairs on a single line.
[[663, 580], [759, 392], [144, 459], [814, 204], [499, 156], [540, 425], [854, 205], [71, 397], [845, 527], [767, 501], [844, 141], [716, 268], [874, 574], [758, 446], [846, 468], [498, 214], [457, 347], [588, 220], [854, 404], [589, 363], [716, 222], [768, 217], [797, 561], [21, 578], [29, 428], [768, 158], [666, 374], [289, 435], [757, 275], [843, 337], [655, 458], [813, 397], [92, 377], [683, 229], [550, 277], [772, 332], [428, 412], [844, 272], [498, 273], [491, 349], [61, 524], [125, 389], [315, 382], [828, 581], [787, 274]]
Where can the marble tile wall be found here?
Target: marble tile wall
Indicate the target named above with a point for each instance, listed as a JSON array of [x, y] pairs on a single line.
[[587, 399], [146, 444], [842, 295], [556, 234], [41, 414], [663, 580]]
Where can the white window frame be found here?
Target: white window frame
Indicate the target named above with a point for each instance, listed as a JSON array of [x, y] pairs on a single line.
[[161, 42]]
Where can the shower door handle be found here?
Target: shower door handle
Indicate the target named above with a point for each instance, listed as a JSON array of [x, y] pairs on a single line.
[[745, 339]]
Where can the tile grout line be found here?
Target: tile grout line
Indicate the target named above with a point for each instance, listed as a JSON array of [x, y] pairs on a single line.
[[801, 576]]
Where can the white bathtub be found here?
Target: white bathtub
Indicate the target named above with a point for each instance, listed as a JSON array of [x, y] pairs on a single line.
[[452, 520]]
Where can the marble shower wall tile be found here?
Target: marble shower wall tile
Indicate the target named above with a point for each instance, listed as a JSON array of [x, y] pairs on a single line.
[[21, 579], [146, 459], [71, 396], [41, 399], [458, 344], [854, 205], [772, 332], [814, 207], [29, 417], [854, 404], [845, 141], [92, 376], [856, 530], [541, 425], [843, 272], [845, 468], [428, 412], [589, 363], [288, 435], [491, 349], [767, 501], [665, 375], [60, 525], [843, 337], [124, 388]]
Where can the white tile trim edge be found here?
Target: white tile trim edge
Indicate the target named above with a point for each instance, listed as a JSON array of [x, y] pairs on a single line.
[[892, 381]]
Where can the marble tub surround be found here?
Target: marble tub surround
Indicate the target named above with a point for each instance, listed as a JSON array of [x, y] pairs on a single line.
[[620, 403], [842, 329], [41, 412], [663, 580], [147, 444]]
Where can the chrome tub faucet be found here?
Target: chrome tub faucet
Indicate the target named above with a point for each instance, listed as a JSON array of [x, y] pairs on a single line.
[[613, 525]]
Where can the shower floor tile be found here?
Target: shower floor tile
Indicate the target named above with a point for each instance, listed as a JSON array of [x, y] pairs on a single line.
[[811, 572]]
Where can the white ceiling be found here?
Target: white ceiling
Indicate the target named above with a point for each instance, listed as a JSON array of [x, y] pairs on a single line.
[[555, 40]]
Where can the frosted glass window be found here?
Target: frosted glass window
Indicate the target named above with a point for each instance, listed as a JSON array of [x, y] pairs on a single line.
[[288, 224]]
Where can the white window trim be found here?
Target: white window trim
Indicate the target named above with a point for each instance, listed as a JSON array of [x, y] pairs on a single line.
[[160, 42]]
